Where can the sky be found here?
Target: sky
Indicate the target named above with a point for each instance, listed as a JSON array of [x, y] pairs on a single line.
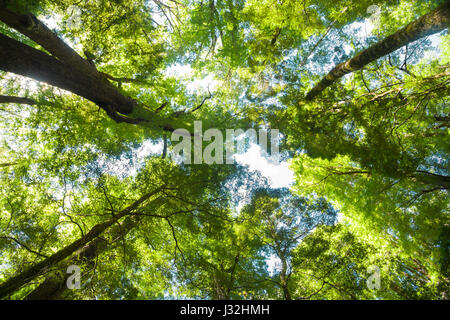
[[278, 172]]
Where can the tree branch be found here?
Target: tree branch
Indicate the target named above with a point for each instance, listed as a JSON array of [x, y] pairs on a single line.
[[433, 22], [19, 100], [24, 246]]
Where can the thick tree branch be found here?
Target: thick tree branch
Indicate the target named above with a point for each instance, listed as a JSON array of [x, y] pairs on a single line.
[[26, 61], [30, 26], [24, 246], [19, 100], [433, 22], [433, 179], [14, 283]]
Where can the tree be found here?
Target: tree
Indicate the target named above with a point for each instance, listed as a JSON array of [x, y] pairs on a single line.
[[334, 263], [226, 264], [91, 92], [398, 214], [431, 23], [281, 221]]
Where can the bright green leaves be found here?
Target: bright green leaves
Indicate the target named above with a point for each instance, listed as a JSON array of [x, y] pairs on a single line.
[[120, 38], [382, 210], [375, 146]]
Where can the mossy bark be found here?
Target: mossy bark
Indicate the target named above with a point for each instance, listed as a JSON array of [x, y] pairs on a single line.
[[11, 285], [433, 22]]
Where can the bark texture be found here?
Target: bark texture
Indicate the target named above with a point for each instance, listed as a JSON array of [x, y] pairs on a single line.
[[54, 286], [64, 68], [14, 283], [436, 180], [20, 100], [26, 61], [433, 22], [30, 26]]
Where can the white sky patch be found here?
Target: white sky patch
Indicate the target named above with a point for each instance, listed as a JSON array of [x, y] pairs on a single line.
[[273, 264], [205, 84], [179, 71], [193, 84], [51, 22], [279, 173], [363, 29], [125, 167], [148, 148]]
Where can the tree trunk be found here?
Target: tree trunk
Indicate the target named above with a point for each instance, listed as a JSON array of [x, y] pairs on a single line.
[[14, 283], [26, 61], [286, 293], [54, 286], [437, 180], [284, 279], [30, 26], [12, 99], [433, 22], [65, 68]]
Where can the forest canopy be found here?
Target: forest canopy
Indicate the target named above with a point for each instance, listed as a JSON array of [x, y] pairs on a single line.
[[97, 96]]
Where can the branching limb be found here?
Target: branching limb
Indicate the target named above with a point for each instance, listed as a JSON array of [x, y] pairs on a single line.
[[24, 246]]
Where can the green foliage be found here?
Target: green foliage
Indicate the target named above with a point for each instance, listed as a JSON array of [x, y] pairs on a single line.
[[370, 154]]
